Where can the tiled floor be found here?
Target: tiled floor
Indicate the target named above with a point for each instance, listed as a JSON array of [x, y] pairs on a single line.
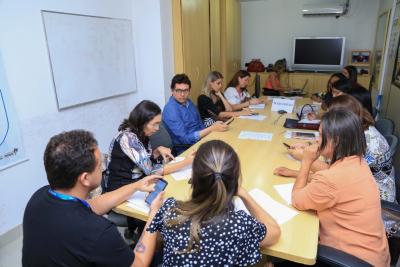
[[11, 253]]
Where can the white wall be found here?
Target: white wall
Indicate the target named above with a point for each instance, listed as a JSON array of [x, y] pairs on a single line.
[[23, 47], [268, 27]]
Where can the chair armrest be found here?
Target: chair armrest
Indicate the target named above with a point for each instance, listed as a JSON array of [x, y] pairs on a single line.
[[335, 257], [179, 148], [390, 206]]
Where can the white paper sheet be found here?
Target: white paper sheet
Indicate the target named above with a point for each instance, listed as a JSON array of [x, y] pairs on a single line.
[[293, 134], [285, 191], [182, 174], [278, 211], [258, 106], [283, 104], [136, 201], [310, 121], [257, 117], [260, 136]]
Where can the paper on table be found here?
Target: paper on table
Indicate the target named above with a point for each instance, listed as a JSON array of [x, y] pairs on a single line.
[[278, 211], [257, 117], [285, 191], [255, 136], [258, 106], [182, 174], [298, 134], [136, 201], [310, 121]]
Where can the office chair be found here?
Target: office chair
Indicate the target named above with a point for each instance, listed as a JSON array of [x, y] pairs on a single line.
[[161, 138], [257, 87], [393, 142], [337, 258], [391, 215], [385, 126]]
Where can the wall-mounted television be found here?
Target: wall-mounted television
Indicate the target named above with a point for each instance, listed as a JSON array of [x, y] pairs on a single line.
[[318, 53]]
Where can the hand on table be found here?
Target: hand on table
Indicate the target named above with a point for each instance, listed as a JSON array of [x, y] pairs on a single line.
[[286, 172]]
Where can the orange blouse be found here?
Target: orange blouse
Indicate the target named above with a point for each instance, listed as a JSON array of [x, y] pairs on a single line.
[[271, 80], [346, 198]]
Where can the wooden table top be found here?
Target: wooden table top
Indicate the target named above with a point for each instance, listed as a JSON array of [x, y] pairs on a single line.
[[299, 238]]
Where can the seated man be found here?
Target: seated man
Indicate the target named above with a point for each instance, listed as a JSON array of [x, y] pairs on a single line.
[[182, 118], [61, 228]]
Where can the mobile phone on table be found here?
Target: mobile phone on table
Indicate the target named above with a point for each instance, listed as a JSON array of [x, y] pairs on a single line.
[[286, 145], [229, 121], [161, 184]]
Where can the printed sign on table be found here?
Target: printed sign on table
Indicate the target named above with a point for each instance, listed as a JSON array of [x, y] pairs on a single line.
[[285, 104]]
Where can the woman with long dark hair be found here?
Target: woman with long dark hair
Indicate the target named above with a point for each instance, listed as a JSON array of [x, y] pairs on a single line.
[[377, 153], [236, 92], [131, 156], [206, 230]]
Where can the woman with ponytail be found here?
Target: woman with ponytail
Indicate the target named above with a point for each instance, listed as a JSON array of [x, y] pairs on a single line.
[[206, 230]]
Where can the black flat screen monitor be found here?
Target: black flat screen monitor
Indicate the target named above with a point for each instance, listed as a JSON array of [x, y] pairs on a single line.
[[318, 53]]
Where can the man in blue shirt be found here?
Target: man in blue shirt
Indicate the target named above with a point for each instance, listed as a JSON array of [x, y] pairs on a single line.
[[181, 116]]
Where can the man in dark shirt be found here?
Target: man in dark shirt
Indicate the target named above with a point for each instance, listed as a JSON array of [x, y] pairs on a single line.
[[61, 228]]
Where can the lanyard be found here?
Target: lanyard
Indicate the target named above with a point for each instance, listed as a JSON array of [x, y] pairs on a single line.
[[69, 198]]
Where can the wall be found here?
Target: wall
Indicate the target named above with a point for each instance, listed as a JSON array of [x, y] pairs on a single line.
[[23, 48], [268, 27]]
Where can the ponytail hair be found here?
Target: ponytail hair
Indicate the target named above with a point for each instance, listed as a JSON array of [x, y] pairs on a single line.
[[215, 181]]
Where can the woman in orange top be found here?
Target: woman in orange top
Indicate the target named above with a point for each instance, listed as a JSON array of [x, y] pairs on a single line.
[[345, 195], [273, 85]]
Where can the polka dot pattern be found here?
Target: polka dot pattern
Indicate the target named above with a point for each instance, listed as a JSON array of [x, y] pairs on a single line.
[[232, 241]]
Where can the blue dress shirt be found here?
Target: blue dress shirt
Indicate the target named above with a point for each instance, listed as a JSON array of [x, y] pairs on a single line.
[[182, 121]]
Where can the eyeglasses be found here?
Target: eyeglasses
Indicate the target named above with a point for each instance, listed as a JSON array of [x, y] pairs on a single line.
[[182, 91]]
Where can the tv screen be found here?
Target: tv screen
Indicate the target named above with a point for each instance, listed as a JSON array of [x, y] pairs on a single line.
[[318, 53]]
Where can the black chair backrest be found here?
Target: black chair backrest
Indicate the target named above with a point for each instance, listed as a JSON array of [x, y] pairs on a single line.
[[393, 142], [257, 86], [161, 138], [385, 126]]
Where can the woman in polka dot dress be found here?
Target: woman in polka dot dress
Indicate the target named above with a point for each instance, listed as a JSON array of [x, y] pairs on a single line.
[[206, 230]]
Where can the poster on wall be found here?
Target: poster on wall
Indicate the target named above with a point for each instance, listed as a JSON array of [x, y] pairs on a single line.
[[11, 148]]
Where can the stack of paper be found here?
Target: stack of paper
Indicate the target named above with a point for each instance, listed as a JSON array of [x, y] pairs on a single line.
[[136, 201], [285, 191], [182, 174], [258, 106], [261, 136], [279, 212], [257, 117]]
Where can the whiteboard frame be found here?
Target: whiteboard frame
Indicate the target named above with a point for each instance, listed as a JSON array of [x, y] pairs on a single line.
[[61, 105]]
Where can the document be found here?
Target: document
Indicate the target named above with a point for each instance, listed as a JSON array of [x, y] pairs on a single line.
[[283, 104], [258, 106], [310, 121], [301, 135], [136, 201], [278, 211], [257, 117], [260, 136], [182, 174], [285, 191]]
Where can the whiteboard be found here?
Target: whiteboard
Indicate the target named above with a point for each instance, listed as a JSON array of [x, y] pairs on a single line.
[[91, 57]]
